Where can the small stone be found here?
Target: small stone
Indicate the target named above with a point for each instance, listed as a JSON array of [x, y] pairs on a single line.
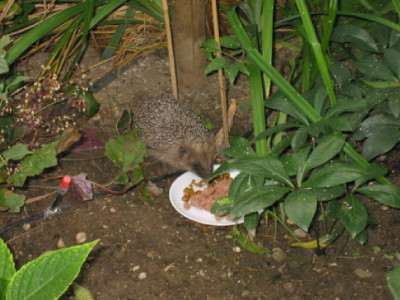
[[113, 210], [300, 233], [154, 189], [26, 226], [384, 208], [288, 286], [135, 268], [278, 255], [245, 293], [363, 273], [105, 227], [142, 276], [237, 249], [80, 237], [60, 243], [202, 273]]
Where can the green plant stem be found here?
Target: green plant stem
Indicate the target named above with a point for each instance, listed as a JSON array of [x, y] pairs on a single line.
[[284, 225], [317, 50], [333, 8]]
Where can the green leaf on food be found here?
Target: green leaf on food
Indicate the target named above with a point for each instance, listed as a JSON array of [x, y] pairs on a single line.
[[354, 215], [256, 199], [300, 206]]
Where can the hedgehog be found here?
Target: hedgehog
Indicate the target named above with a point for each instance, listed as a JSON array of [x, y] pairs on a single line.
[[174, 134]]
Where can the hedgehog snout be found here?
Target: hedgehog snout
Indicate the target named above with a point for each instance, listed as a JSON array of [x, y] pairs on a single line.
[[203, 172]]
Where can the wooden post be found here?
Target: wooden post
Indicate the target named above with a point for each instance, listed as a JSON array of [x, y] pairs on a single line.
[[188, 32]]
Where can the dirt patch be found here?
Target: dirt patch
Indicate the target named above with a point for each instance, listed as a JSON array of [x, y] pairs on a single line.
[[152, 252]]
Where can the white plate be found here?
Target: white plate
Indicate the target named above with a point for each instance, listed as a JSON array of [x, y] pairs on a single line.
[[193, 213]]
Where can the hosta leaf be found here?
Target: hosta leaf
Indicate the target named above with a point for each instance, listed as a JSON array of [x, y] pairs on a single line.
[[266, 166], [48, 276], [355, 35], [371, 66], [325, 150], [380, 142], [257, 199], [354, 215], [334, 174], [300, 206], [387, 194], [393, 280]]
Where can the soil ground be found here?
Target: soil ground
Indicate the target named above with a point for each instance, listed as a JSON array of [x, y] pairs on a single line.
[[180, 258]]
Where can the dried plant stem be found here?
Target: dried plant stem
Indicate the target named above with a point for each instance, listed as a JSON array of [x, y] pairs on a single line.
[[6, 9], [170, 49], [221, 77]]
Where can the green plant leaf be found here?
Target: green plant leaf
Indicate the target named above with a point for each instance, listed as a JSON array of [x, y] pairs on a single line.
[[266, 166], [16, 152], [230, 42], [393, 280], [341, 73], [325, 150], [392, 59], [295, 161], [7, 268], [332, 174], [11, 200], [300, 206], [279, 102], [372, 124], [35, 163], [380, 142], [355, 35], [329, 193], [231, 71], [277, 128], [354, 215], [48, 276], [256, 199], [251, 222], [81, 293], [347, 104], [362, 237], [387, 194], [247, 243], [216, 64], [239, 184], [373, 68], [239, 147], [210, 45]]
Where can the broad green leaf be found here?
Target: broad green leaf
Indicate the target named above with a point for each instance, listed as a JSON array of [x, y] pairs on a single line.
[[329, 193], [373, 68], [381, 84], [347, 104], [239, 184], [372, 172], [392, 59], [7, 267], [393, 280], [231, 71], [281, 103], [257, 199], [333, 209], [355, 35], [341, 73], [362, 237], [239, 147], [300, 206], [277, 128], [16, 152], [210, 45], [35, 163], [266, 166], [354, 215], [387, 194], [300, 138], [325, 150], [370, 125], [221, 207], [216, 64], [48, 276], [230, 42], [332, 174], [251, 222], [11, 200], [295, 161], [380, 142]]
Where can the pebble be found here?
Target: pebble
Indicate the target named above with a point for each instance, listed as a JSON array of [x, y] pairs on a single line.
[[236, 249], [288, 286], [154, 189], [384, 207], [60, 243], [26, 226], [363, 273], [80, 237], [202, 273], [113, 210], [278, 255], [142, 276], [135, 268], [300, 233]]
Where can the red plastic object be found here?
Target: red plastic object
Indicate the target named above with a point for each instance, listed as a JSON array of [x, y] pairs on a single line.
[[66, 180]]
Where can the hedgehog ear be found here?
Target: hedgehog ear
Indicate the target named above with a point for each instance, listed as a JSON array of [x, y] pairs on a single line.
[[183, 151]]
